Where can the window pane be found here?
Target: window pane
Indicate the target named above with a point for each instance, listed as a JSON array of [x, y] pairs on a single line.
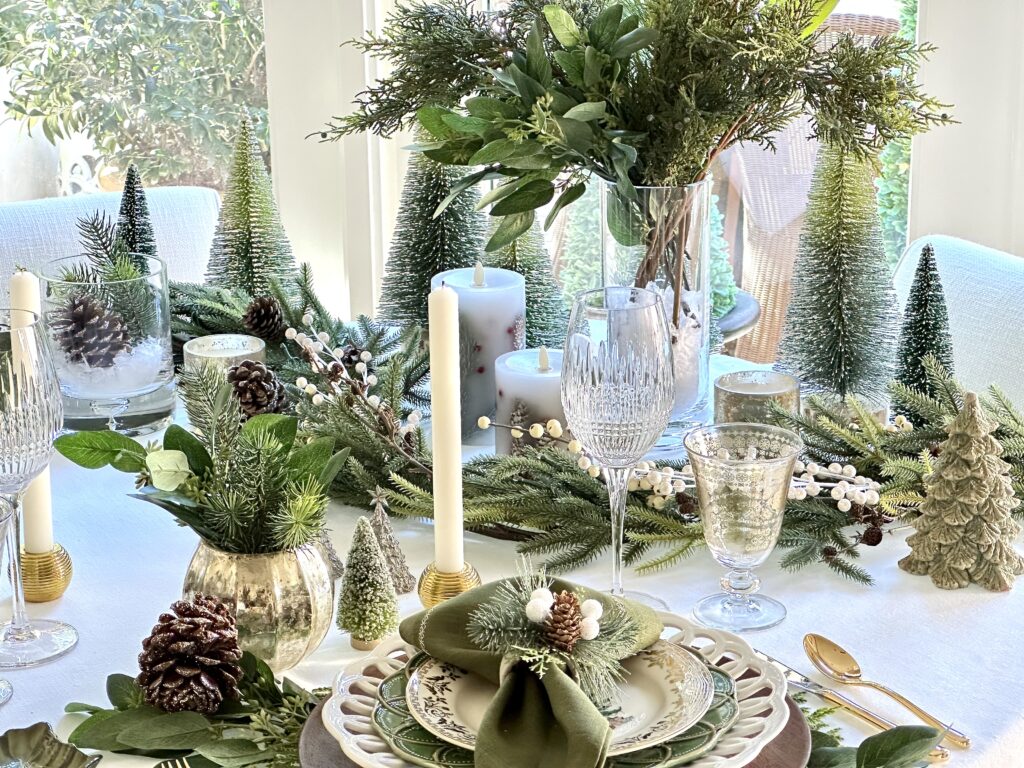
[[93, 85]]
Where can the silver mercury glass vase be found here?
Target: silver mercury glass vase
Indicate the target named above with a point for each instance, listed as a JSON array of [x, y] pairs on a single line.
[[282, 601]]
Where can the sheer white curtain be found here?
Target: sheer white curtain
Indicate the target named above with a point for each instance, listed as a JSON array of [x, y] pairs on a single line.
[[338, 200], [967, 180]]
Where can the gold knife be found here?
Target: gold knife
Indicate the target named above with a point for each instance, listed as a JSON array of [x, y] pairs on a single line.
[[801, 682]]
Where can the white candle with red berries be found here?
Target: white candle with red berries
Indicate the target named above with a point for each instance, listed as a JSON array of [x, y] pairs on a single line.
[[492, 321]]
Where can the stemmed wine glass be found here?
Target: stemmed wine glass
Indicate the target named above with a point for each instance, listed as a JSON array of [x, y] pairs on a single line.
[[6, 689], [30, 419], [617, 390], [742, 473]]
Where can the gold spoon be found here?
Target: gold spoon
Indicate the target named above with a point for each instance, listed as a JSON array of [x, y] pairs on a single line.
[[836, 663]]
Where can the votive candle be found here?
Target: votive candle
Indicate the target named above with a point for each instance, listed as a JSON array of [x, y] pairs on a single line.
[[528, 392], [223, 350], [746, 396], [492, 321], [446, 428]]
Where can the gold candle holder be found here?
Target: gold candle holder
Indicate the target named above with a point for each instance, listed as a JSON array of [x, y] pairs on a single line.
[[435, 587], [45, 576]]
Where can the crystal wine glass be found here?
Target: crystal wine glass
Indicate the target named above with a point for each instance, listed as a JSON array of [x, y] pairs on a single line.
[[30, 419], [617, 390], [743, 473], [108, 326], [6, 689]]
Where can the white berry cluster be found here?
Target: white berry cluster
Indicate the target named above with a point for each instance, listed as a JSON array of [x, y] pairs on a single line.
[[662, 482], [538, 609], [900, 424], [849, 488], [552, 429]]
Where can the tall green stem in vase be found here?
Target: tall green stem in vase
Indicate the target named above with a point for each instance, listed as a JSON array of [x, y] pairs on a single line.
[[661, 241]]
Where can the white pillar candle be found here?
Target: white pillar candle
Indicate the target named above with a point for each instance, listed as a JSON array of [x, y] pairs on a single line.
[[528, 392], [446, 427], [37, 506], [492, 321]]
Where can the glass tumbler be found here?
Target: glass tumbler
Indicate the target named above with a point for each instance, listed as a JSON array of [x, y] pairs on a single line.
[[742, 473]]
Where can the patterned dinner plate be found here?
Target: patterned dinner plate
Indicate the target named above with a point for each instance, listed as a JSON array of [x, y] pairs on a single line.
[[664, 690], [409, 740]]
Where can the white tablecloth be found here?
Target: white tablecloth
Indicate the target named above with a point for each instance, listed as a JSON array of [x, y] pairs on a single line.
[[955, 653]]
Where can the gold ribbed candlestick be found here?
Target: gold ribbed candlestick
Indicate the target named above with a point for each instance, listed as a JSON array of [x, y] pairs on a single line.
[[436, 587], [45, 576]]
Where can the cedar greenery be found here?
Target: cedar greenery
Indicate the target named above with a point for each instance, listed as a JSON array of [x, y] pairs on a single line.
[[650, 95]]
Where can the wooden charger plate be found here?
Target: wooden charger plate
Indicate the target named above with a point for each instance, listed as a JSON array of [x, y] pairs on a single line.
[[318, 749]]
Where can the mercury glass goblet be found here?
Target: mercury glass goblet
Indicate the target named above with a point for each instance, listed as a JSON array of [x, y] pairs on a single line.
[[108, 326], [743, 473], [617, 391], [30, 419]]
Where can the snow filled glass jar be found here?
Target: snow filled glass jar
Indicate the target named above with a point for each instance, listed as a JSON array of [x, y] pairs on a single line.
[[108, 324]]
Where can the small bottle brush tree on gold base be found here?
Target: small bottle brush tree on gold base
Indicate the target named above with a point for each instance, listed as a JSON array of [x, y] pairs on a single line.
[[965, 533]]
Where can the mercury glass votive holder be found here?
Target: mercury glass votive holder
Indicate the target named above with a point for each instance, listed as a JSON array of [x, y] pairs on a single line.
[[224, 350], [746, 396]]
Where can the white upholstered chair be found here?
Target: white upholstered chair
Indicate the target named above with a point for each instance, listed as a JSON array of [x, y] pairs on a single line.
[[184, 219], [983, 289]]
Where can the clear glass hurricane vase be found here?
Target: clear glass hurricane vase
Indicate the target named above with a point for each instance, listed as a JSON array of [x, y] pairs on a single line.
[[661, 241], [617, 389], [30, 419], [108, 326], [743, 473]]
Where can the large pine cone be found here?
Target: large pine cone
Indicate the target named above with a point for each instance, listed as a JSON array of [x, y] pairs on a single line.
[[562, 628], [190, 660], [257, 388], [89, 332], [264, 318]]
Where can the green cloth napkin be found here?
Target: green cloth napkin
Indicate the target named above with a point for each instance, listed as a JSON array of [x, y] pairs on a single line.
[[530, 723]]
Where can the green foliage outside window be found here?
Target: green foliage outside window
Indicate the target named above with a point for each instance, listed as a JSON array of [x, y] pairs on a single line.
[[894, 183], [160, 84]]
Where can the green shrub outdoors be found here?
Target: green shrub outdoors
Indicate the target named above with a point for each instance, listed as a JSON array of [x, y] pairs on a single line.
[[894, 182], [160, 84]]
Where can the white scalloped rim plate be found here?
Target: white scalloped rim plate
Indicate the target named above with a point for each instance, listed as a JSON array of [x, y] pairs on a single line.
[[760, 688]]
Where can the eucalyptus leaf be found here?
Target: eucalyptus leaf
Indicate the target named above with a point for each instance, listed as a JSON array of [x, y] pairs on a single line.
[[490, 108], [502, 190], [528, 198], [168, 469], [833, 757], [104, 730], [602, 31], [592, 67], [311, 459], [170, 730], [509, 229], [572, 63], [577, 136], [466, 124], [529, 89], [563, 27], [537, 64], [493, 152], [431, 118], [569, 196], [94, 450], [177, 438], [624, 222], [632, 42], [77, 706], [899, 747], [459, 187], [234, 753], [123, 691], [334, 467], [587, 111]]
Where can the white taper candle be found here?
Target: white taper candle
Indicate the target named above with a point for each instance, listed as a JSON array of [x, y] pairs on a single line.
[[446, 428], [37, 506]]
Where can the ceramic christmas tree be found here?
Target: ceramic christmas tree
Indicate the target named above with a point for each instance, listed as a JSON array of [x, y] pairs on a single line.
[[423, 244], [401, 577], [925, 327], [368, 606], [134, 228], [250, 247], [547, 317], [965, 532], [840, 331]]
